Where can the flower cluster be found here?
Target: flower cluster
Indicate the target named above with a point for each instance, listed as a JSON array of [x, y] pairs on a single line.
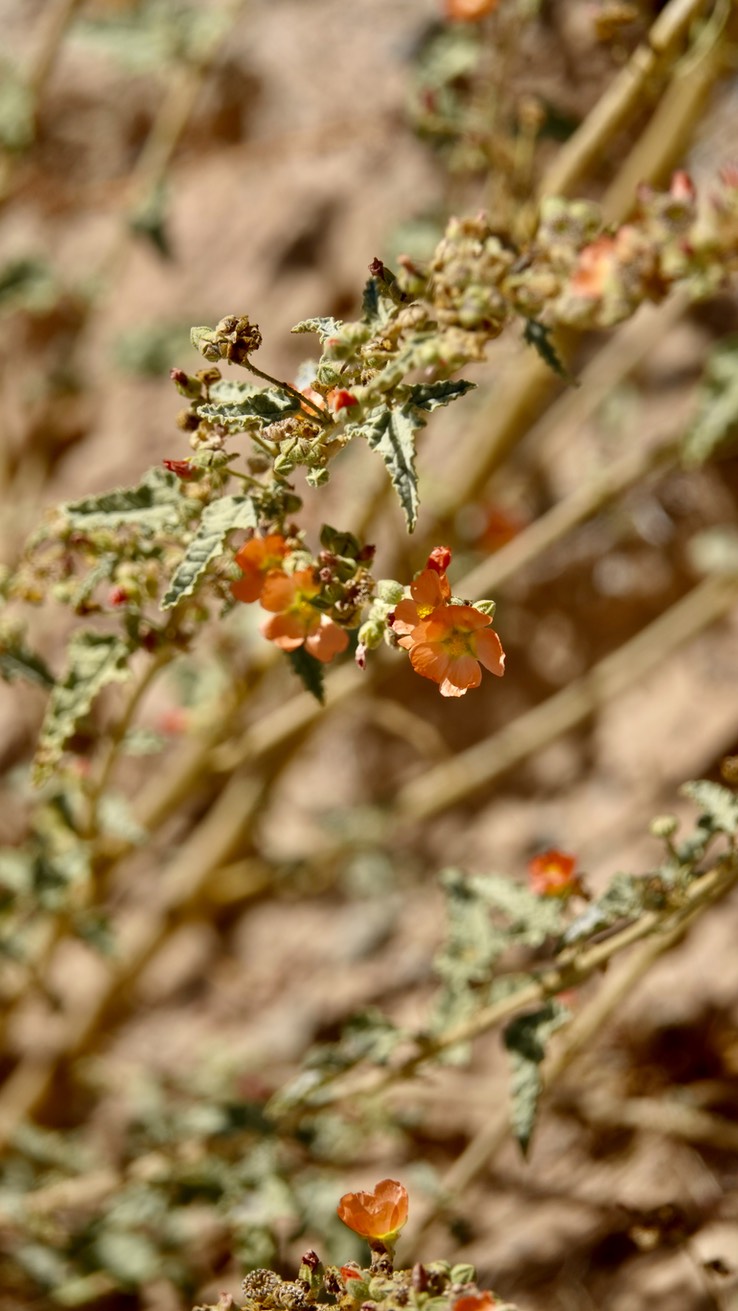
[[447, 640], [289, 595]]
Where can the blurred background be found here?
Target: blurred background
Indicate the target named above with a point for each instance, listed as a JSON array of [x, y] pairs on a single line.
[[163, 164]]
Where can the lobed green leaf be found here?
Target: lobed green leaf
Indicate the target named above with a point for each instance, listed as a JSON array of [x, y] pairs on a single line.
[[718, 805], [525, 1039], [392, 434], [156, 503], [240, 405], [324, 327], [93, 661], [219, 519], [310, 672], [716, 420]]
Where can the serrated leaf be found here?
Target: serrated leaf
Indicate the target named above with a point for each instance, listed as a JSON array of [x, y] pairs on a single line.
[[718, 804], [240, 405], [310, 672], [716, 420], [18, 661], [93, 661], [538, 335], [324, 327], [624, 899], [156, 503], [429, 395], [219, 519], [392, 434], [525, 1039]]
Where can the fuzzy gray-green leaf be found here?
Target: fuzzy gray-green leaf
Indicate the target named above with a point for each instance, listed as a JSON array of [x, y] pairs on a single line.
[[717, 803], [241, 405], [324, 327], [392, 434], [429, 395], [716, 420], [218, 519], [525, 1039], [156, 503], [93, 661]]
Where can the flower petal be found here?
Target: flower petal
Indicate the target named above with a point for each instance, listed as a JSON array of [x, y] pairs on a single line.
[[488, 649], [429, 590], [287, 631], [430, 661], [462, 673], [327, 641]]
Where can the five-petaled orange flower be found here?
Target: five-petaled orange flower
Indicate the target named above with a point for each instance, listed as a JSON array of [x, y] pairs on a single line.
[[295, 621], [256, 559], [451, 644], [378, 1216], [552, 874], [428, 590]]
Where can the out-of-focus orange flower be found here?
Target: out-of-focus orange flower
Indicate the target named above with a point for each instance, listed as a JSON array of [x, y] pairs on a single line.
[[256, 559], [500, 526], [429, 590], [469, 11], [296, 622], [552, 874], [449, 646], [475, 1302], [379, 1215]]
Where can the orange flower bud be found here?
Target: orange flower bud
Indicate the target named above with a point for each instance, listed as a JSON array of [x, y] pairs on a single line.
[[379, 1215]]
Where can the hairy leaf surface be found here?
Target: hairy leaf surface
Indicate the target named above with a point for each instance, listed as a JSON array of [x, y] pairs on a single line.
[[240, 405], [93, 661], [154, 504], [525, 1039], [218, 519]]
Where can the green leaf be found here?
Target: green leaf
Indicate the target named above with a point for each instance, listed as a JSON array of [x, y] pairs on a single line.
[[538, 335], [309, 670], [392, 434], [324, 327], [18, 661], [240, 405], [154, 504], [93, 661], [218, 519], [525, 1039], [27, 282], [16, 108], [716, 420], [718, 804], [429, 395], [624, 899]]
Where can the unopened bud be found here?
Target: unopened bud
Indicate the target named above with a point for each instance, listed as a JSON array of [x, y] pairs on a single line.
[[664, 826]]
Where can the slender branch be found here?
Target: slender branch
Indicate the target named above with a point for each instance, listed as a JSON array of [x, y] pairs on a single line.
[[285, 386], [584, 1027]]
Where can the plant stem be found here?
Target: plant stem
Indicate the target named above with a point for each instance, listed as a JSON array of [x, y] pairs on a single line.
[[285, 386]]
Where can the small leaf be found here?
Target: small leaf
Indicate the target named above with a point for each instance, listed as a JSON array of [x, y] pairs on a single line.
[[240, 405], [429, 395], [392, 434], [18, 661], [93, 661], [324, 327], [525, 1039], [718, 805], [716, 420], [218, 519], [154, 504], [538, 335], [624, 899], [309, 670]]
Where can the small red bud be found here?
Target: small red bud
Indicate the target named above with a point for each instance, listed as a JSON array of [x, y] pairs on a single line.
[[376, 268], [179, 376], [181, 468], [341, 400], [439, 559], [118, 596]]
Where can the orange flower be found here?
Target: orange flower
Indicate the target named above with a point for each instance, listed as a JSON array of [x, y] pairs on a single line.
[[379, 1215], [296, 621], [450, 645], [475, 1302], [469, 11], [429, 590], [552, 874], [256, 559]]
